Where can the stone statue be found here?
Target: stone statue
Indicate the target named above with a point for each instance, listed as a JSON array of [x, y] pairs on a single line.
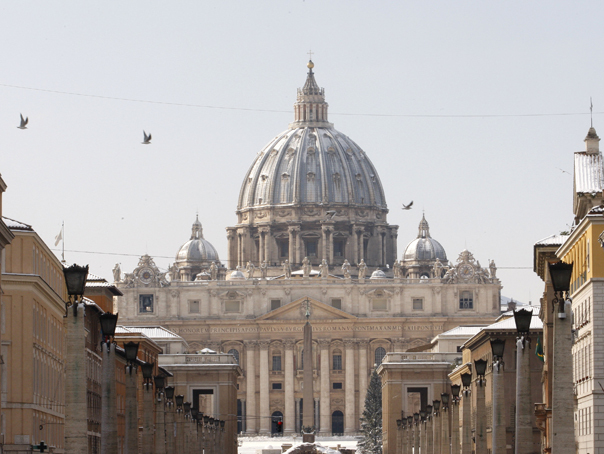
[[492, 269], [324, 269], [396, 267], [117, 273], [287, 270], [263, 269], [437, 269], [250, 268], [362, 269], [306, 267], [173, 272], [450, 275], [129, 280], [346, 269], [213, 271]]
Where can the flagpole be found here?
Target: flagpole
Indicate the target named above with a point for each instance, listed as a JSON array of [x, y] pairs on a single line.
[[63, 241]]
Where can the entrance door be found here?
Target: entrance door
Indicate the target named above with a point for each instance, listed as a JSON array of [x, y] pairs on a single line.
[[276, 422], [337, 423]]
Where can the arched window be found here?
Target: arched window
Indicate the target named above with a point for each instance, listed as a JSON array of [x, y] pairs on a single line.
[[337, 360], [235, 353], [380, 352]]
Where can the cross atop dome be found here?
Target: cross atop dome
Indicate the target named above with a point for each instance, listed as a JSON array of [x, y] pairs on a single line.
[[424, 228]]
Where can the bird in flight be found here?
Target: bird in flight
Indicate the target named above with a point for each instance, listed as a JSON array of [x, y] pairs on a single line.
[[23, 122], [146, 139], [407, 207], [331, 214]]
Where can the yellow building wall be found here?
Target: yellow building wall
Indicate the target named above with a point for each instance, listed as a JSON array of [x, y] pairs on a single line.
[[587, 256]]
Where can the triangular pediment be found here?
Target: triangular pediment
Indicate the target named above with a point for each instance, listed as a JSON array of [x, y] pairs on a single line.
[[296, 310]]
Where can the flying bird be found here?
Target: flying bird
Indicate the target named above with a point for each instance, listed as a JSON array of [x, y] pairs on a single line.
[[407, 207], [562, 170], [23, 122], [331, 214], [146, 139]]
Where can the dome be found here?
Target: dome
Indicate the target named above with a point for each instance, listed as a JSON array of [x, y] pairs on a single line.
[[424, 247], [197, 250], [311, 163], [378, 274]]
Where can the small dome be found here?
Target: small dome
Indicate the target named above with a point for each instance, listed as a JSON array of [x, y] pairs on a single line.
[[424, 247], [378, 274], [197, 250], [237, 275]]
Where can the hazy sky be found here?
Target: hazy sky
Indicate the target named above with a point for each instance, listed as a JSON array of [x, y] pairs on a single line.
[[471, 109]]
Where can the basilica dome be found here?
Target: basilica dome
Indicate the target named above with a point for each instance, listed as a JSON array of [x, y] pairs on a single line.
[[197, 252], [311, 162], [424, 247]]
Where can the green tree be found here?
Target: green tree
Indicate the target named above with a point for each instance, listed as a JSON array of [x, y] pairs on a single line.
[[371, 421]]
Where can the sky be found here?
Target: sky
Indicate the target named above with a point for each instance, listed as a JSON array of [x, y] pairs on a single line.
[[471, 109]]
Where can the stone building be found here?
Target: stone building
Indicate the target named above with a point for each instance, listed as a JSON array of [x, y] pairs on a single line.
[[311, 227]]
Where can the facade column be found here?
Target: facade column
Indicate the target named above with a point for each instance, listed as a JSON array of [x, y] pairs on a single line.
[[317, 404], [330, 243], [361, 246], [466, 426], [423, 439], [416, 437], [290, 409], [325, 387], [324, 246], [480, 433], [563, 432], [298, 246], [265, 420], [524, 424], [261, 246], [498, 437], [250, 387], [109, 402], [232, 249], [363, 374], [131, 416], [298, 428], [350, 414], [180, 430], [76, 408], [380, 236], [355, 245]]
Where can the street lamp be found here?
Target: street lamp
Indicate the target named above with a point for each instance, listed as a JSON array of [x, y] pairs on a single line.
[[522, 319], [498, 440], [560, 274], [131, 351], [75, 281], [108, 323]]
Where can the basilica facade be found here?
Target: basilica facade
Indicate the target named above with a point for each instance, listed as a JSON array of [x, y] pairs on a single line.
[[311, 233]]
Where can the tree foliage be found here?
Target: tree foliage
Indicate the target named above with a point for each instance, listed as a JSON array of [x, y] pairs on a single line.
[[371, 421]]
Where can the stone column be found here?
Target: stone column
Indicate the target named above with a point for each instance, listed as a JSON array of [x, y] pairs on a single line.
[[76, 407], [361, 246], [363, 371], [324, 248], [350, 414], [232, 248], [289, 420], [261, 254], [325, 387], [423, 439], [436, 432], [180, 431], [410, 439], [563, 433], [455, 445], [148, 438], [429, 436], [330, 243], [170, 432], [403, 446], [444, 440], [298, 247], [109, 402], [317, 404], [524, 404], [355, 245], [416, 437], [265, 420], [498, 438], [131, 416], [160, 427], [250, 387], [480, 433], [243, 417], [466, 426]]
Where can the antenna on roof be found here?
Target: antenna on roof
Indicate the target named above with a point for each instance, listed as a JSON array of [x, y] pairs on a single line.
[[591, 111]]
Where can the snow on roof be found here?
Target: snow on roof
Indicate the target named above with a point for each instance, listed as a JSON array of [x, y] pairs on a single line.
[[153, 332], [589, 173], [463, 331], [16, 225], [552, 240], [509, 323]]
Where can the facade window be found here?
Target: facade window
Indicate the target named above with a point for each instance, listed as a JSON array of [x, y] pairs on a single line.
[[466, 300], [302, 359], [284, 249], [337, 361], [275, 304], [418, 304], [337, 303], [277, 362], [232, 306], [311, 248], [235, 353], [380, 352], [337, 386], [277, 385], [145, 303], [338, 248], [194, 307], [380, 304]]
